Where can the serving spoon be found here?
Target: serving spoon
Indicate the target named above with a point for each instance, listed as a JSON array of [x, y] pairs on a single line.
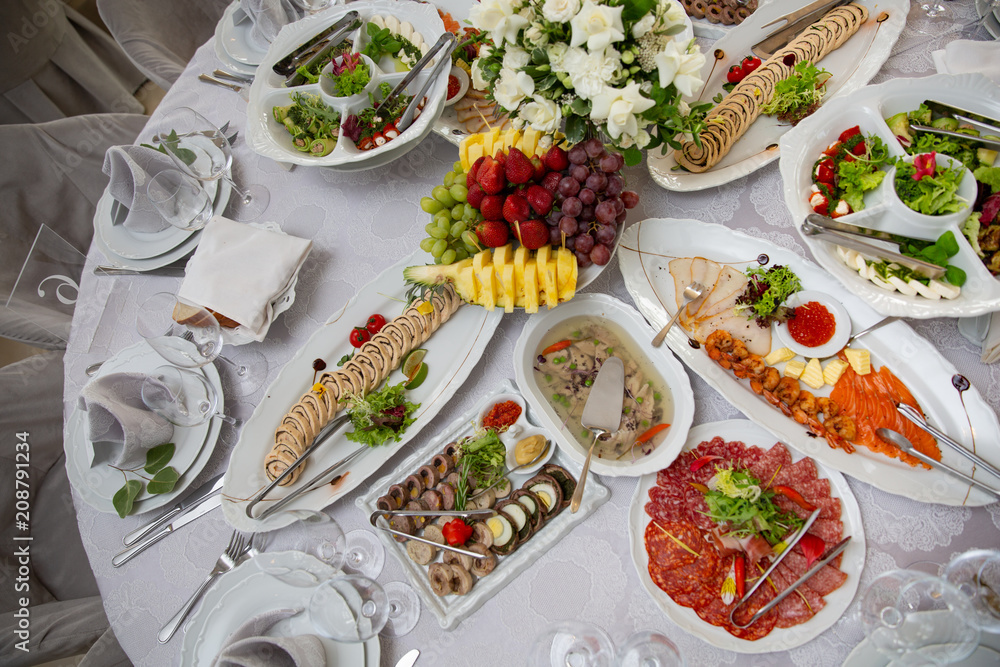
[[692, 292]]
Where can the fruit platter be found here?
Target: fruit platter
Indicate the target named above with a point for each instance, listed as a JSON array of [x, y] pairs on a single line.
[[827, 409], [329, 115], [948, 232], [532, 511]]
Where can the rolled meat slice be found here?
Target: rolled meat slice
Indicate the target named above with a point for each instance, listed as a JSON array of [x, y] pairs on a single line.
[[483, 566], [440, 576]]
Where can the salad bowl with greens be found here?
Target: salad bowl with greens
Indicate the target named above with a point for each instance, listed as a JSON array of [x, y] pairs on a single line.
[[937, 198]]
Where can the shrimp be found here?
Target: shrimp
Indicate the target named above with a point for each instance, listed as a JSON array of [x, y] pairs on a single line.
[[773, 399], [828, 407], [787, 391], [751, 367], [739, 351], [766, 381], [718, 343], [839, 431], [805, 408]]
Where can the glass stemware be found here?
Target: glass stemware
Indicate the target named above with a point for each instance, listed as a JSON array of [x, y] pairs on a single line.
[[977, 574], [180, 199], [573, 643], [349, 608], [365, 555], [649, 649], [182, 397], [202, 151], [404, 609], [311, 532], [918, 619]]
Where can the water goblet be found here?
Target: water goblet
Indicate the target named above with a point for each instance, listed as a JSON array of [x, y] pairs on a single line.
[[307, 531], [649, 649], [365, 555], [182, 397], [349, 608], [573, 643], [202, 151], [404, 609], [977, 574], [180, 199], [184, 334]]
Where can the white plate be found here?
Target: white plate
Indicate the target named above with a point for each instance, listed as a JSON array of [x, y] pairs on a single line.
[[97, 486], [247, 591], [842, 324], [852, 66], [452, 609], [778, 639], [631, 324], [269, 138], [136, 245], [218, 43], [236, 40], [452, 353], [643, 259], [866, 655], [867, 108]]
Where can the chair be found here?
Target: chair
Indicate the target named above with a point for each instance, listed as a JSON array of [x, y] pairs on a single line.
[[161, 37], [52, 175], [56, 64]]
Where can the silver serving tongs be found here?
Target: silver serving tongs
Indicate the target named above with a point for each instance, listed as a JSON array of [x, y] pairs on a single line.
[[312, 57], [984, 124], [465, 514], [795, 23], [914, 416], [795, 540], [445, 43], [315, 44], [320, 438], [854, 237], [829, 556]]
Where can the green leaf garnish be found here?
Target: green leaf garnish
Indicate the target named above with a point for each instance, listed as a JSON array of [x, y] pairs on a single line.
[[163, 481], [158, 457], [381, 416], [125, 497]]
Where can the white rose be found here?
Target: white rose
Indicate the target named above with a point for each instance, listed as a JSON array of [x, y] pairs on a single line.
[[535, 35], [618, 108], [590, 72], [560, 11], [515, 58], [499, 18], [642, 139], [557, 54], [486, 15], [597, 26], [674, 15], [677, 66], [644, 25], [512, 87], [478, 82], [542, 114]]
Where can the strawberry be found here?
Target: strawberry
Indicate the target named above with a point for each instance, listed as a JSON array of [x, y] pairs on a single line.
[[551, 181], [540, 169], [533, 234], [519, 168], [516, 208], [540, 199], [493, 233], [470, 178], [491, 176], [501, 157], [475, 196], [492, 207], [555, 159]]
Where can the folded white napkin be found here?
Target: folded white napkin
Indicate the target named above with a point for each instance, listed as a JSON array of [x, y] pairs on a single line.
[[269, 16], [120, 426], [991, 345], [247, 647], [966, 56], [130, 169], [238, 270]]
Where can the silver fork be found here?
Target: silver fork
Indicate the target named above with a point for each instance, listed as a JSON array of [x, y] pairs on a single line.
[[239, 544], [692, 292]]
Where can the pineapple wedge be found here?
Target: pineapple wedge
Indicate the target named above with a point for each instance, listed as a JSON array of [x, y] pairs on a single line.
[[567, 274], [482, 266], [531, 297], [501, 256], [506, 276], [521, 257], [550, 283]]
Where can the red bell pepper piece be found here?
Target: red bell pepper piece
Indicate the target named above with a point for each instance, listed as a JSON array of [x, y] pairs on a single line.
[[699, 463], [555, 347], [794, 496], [456, 532], [825, 173], [812, 548], [741, 574], [849, 132]]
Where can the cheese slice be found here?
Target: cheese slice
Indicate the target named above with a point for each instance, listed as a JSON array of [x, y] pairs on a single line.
[[779, 355], [813, 374], [833, 371], [793, 369], [860, 360]]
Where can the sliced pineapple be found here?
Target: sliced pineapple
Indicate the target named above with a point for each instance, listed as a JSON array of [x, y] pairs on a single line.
[[521, 257], [550, 283], [506, 276], [567, 274], [531, 298], [465, 283]]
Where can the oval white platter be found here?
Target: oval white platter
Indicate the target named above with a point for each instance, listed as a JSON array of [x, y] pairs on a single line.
[[269, 138], [852, 66], [194, 444], [648, 246], [632, 325], [452, 609], [802, 146], [779, 639], [452, 352], [247, 591]]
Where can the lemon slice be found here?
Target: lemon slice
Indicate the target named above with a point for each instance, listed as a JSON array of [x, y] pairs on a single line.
[[418, 377], [411, 361]]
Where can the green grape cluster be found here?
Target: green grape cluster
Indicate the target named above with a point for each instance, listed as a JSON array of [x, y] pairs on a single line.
[[451, 233]]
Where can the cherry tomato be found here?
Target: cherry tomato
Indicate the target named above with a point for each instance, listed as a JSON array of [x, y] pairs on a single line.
[[375, 323], [849, 132], [360, 336], [824, 172], [860, 148], [735, 74], [749, 64]]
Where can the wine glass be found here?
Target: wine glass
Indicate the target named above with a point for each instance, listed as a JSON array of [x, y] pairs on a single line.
[[313, 6], [933, 9], [201, 150], [573, 643], [182, 397], [365, 555], [180, 199], [918, 619], [404, 609], [649, 649], [307, 531], [349, 608], [977, 574]]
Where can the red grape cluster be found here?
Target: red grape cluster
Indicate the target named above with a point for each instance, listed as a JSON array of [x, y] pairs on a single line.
[[591, 202]]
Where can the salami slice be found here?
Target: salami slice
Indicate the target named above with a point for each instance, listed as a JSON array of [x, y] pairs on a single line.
[[827, 580], [815, 489], [764, 625], [664, 551], [702, 594], [829, 530]]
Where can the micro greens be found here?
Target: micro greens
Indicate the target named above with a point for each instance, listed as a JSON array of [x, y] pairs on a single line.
[[736, 498], [798, 96], [481, 457], [381, 416], [765, 292]]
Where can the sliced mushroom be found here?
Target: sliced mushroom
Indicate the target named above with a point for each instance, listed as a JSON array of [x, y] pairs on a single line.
[[434, 533], [452, 558], [441, 576], [463, 580], [483, 566], [481, 534], [429, 475], [420, 553]]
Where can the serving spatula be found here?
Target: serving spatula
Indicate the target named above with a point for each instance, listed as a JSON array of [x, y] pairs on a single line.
[[602, 414]]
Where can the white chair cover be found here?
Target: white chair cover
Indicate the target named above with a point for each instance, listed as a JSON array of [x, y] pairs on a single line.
[[54, 179], [161, 37], [56, 63]]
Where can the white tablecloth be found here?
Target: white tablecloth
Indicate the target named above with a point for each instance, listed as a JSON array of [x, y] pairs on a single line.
[[361, 223]]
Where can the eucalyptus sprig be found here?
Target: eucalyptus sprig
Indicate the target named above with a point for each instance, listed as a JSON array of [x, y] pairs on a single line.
[[162, 481]]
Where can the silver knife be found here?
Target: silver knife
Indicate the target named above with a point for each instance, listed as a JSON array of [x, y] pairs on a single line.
[[408, 659], [795, 23], [108, 270], [201, 494], [135, 550]]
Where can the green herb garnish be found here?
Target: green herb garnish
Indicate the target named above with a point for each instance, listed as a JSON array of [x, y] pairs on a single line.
[[799, 95], [930, 195], [172, 143], [766, 290], [737, 498], [481, 457], [162, 481], [381, 416]]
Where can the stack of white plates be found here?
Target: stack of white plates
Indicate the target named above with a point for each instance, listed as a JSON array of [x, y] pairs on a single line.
[[991, 15], [233, 45]]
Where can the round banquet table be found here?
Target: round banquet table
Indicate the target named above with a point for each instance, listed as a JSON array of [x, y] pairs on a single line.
[[362, 222]]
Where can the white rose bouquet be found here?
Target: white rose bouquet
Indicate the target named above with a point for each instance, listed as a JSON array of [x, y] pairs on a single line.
[[616, 67]]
